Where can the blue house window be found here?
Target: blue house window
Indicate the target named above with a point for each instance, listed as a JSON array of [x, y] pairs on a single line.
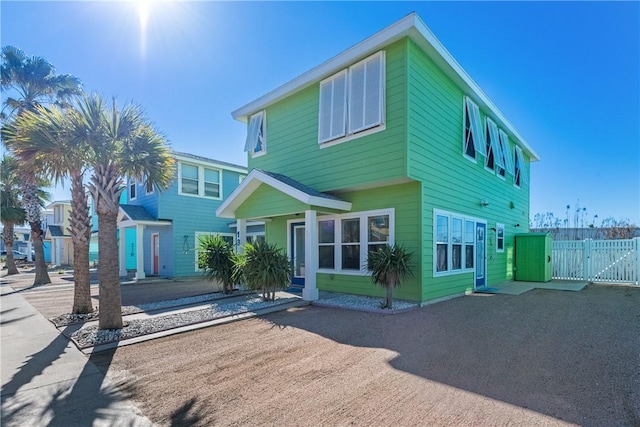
[[196, 180]]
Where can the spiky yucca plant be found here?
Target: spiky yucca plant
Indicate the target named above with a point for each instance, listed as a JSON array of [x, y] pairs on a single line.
[[389, 267], [216, 257], [264, 267]]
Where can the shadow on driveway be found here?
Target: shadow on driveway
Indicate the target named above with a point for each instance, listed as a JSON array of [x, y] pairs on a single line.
[[571, 356]]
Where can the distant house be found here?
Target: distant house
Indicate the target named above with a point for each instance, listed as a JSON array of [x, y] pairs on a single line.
[[57, 239], [390, 141], [161, 228]]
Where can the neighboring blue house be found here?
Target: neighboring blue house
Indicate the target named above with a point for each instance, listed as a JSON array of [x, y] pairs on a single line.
[[161, 229]]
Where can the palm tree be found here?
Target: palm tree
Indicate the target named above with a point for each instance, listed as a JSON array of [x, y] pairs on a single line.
[[11, 212], [216, 257], [122, 142], [389, 267], [45, 134], [34, 81], [264, 267]]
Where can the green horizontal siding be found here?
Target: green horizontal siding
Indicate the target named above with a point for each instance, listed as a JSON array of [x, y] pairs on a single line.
[[450, 181], [267, 201], [292, 138], [405, 199]]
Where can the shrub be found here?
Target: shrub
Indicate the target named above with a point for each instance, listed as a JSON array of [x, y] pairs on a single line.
[[389, 267], [265, 268], [216, 257]]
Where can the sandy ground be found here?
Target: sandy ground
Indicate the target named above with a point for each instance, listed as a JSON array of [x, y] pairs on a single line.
[[541, 358]]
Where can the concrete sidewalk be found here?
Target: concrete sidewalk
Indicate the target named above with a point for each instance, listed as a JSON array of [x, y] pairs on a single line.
[[47, 381]]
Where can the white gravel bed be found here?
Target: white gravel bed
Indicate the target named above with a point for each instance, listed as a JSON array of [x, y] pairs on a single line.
[[364, 303], [89, 335], [70, 319]]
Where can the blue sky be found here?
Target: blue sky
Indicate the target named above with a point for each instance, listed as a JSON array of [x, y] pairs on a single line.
[[566, 74]]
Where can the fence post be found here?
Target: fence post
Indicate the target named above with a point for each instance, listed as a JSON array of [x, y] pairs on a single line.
[[586, 257], [636, 246]]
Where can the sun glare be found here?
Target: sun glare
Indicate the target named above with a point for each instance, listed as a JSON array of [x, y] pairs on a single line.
[[144, 8]]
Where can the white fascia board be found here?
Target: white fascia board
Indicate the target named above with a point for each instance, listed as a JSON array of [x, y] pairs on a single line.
[[132, 223], [411, 26], [215, 165], [256, 178]]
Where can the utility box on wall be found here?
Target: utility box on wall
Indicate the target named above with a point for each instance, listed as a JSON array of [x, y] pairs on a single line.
[[533, 257]]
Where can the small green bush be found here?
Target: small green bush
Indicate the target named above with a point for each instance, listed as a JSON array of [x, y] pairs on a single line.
[[217, 258], [263, 267], [389, 267]]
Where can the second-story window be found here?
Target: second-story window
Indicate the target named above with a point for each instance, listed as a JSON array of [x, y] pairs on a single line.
[[352, 100], [149, 187], [132, 189], [196, 180], [495, 159], [518, 163], [472, 132], [189, 179], [256, 142], [504, 154]]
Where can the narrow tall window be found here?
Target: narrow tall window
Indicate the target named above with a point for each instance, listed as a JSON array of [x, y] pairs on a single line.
[[456, 244], [326, 244], [149, 187], [495, 158], [351, 244], [189, 179], [499, 237], [517, 176], [211, 183], [333, 107], [505, 154], [132, 189], [442, 243], [472, 130], [469, 235], [256, 142]]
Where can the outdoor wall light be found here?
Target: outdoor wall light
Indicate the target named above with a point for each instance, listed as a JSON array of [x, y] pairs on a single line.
[[493, 229], [484, 203], [517, 225]]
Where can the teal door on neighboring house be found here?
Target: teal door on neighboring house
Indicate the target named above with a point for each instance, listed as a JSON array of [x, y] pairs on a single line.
[[131, 253], [481, 255], [296, 251], [46, 246]]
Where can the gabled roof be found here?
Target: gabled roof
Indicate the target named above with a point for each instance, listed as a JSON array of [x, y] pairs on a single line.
[[133, 215], [200, 159], [410, 26], [291, 187], [136, 213], [56, 231]]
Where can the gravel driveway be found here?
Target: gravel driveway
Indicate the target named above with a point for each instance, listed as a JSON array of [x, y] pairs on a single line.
[[541, 358]]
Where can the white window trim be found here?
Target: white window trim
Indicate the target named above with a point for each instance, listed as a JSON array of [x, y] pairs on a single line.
[[364, 241], [201, 169], [132, 183], [263, 129], [464, 218], [146, 189], [368, 130], [499, 227], [518, 163], [196, 243], [494, 146], [475, 127]]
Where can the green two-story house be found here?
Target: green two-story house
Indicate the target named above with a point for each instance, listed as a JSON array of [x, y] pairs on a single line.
[[391, 142]]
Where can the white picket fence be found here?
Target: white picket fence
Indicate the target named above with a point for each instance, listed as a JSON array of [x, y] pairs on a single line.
[[609, 261]]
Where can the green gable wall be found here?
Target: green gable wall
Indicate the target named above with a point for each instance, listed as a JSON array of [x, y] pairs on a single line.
[[267, 201], [292, 138], [451, 182]]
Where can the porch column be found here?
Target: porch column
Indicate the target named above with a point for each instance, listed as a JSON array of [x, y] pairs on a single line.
[[29, 249], [140, 252], [241, 235], [122, 252], [310, 292]]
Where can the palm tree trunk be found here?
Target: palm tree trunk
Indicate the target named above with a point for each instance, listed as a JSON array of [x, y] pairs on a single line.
[[42, 276], [106, 188], [80, 230], [108, 273], [389, 296], [10, 262]]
